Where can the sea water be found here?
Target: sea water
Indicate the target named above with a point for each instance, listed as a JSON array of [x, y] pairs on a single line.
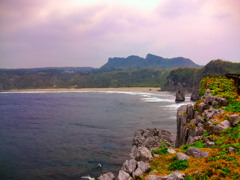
[[67, 135]]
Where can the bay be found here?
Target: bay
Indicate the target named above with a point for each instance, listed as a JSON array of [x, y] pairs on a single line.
[[66, 134]]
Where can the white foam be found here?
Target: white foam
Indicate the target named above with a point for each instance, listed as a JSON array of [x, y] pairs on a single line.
[[128, 92], [177, 105], [155, 99]]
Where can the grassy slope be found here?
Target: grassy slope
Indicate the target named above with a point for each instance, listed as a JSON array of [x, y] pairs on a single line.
[[220, 164]]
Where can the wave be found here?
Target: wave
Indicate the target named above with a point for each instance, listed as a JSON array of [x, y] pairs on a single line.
[[155, 99]]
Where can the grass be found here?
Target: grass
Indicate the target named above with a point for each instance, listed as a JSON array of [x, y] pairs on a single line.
[[220, 163]]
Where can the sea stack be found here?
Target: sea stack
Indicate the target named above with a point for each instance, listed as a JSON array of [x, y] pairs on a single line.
[[180, 95]]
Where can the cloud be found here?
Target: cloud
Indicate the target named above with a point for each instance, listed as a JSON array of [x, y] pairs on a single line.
[[82, 33]]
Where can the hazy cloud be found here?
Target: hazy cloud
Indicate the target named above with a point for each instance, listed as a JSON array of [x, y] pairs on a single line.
[[86, 33]]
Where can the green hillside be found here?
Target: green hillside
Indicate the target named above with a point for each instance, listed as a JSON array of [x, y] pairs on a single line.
[[190, 77]]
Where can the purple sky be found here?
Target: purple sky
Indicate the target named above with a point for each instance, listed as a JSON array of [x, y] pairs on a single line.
[[57, 33]]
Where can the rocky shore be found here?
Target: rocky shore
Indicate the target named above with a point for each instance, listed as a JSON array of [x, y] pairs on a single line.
[[144, 142], [194, 125]]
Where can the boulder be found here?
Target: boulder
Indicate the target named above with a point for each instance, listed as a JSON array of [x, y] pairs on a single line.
[[195, 152], [174, 176], [150, 138], [142, 168], [180, 94], [144, 154], [223, 125], [181, 156], [129, 166], [171, 151], [122, 175], [107, 176], [234, 119]]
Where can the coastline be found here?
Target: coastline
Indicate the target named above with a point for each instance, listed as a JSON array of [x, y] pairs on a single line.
[[91, 89]]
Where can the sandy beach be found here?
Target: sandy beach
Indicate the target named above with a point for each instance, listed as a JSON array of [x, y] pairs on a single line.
[[93, 89]]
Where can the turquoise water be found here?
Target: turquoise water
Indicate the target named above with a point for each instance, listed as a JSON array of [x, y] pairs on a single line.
[[65, 135]]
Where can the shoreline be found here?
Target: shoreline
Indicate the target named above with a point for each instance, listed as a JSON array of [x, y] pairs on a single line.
[[90, 89]]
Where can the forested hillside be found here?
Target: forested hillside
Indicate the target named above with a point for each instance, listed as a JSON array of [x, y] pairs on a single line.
[[99, 78], [53, 78], [190, 77]]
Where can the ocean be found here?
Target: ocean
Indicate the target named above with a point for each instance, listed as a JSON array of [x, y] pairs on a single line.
[[68, 134]]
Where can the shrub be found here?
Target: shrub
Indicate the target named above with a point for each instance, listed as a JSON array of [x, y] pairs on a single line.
[[162, 150], [219, 86], [178, 165], [222, 87]]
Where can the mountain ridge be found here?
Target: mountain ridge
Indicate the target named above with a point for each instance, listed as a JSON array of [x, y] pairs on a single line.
[[151, 61]]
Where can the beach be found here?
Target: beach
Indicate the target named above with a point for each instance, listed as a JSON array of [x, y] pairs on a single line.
[[92, 89]]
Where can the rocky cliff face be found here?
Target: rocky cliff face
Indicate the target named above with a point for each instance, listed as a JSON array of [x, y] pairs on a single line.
[[191, 124], [144, 141], [199, 123]]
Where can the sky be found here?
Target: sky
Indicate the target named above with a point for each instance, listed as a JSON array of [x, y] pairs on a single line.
[[58, 33]]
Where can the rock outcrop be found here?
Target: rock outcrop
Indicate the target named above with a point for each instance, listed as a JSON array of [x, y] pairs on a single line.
[[195, 152], [143, 142], [181, 156], [191, 124], [123, 175], [107, 176], [180, 94], [234, 119], [184, 114], [195, 94]]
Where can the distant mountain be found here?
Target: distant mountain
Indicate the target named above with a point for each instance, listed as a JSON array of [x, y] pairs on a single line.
[[151, 61], [190, 77]]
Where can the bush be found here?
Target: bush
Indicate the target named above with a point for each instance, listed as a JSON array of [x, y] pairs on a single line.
[[178, 165], [162, 150], [219, 86], [222, 87]]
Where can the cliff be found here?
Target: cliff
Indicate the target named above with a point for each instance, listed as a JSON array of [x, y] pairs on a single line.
[[190, 77], [207, 144]]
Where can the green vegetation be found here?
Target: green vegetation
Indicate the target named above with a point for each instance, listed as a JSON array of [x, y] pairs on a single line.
[[219, 86], [221, 163], [132, 76], [162, 150], [222, 87], [197, 144], [186, 76], [190, 77], [178, 165], [51, 78], [233, 107]]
